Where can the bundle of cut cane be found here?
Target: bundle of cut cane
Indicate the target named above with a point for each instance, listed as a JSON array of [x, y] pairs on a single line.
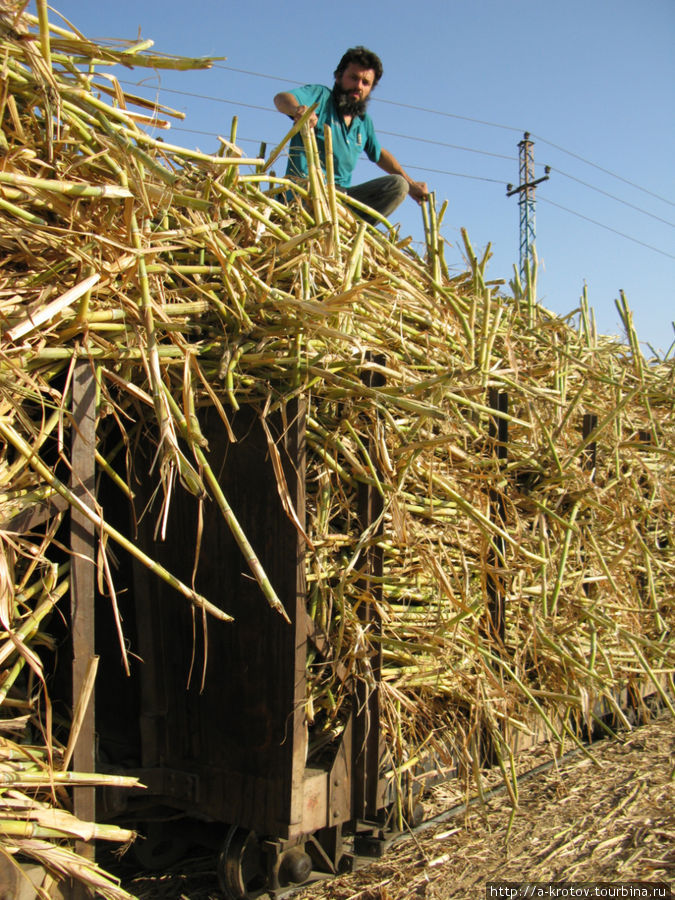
[[34, 826], [187, 283]]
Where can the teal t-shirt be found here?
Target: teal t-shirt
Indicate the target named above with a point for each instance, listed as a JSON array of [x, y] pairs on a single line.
[[348, 143]]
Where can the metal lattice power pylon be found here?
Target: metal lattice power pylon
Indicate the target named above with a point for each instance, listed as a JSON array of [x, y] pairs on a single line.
[[526, 202]]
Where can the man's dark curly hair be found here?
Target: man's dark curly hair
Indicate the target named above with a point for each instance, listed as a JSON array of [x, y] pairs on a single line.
[[363, 57]]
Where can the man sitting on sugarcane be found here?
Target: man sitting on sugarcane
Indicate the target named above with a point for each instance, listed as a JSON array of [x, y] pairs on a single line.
[[344, 109]]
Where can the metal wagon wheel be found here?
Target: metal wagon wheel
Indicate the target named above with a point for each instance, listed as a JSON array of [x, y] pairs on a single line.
[[241, 865]]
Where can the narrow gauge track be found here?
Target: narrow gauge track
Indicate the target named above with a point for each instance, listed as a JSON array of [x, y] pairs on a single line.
[[624, 799], [382, 841], [391, 839]]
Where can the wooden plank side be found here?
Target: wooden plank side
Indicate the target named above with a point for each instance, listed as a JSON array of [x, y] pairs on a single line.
[[295, 459], [499, 437], [366, 715], [35, 515], [82, 542], [226, 700]]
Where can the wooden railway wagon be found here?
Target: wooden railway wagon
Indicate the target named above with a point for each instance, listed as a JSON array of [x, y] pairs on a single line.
[[161, 279], [212, 718]]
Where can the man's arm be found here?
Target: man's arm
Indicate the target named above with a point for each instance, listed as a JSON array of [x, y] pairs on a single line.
[[418, 190], [287, 104]]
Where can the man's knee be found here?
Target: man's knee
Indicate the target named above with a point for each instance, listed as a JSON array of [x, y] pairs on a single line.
[[394, 192], [399, 187], [383, 194]]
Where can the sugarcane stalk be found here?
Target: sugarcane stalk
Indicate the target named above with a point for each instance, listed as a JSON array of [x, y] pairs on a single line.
[[330, 190], [665, 699], [30, 624], [18, 828], [67, 188], [297, 127], [52, 309], [228, 514], [249, 210], [315, 175], [15, 439], [602, 424], [21, 213], [44, 778], [80, 710], [43, 21]]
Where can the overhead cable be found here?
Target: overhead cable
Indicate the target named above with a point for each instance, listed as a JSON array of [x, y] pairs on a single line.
[[479, 122], [447, 172], [412, 137], [456, 174], [375, 99], [606, 227], [407, 165], [612, 196], [601, 169], [257, 74], [167, 90], [379, 131]]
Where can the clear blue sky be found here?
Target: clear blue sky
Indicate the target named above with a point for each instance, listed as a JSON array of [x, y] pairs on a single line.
[[592, 81]]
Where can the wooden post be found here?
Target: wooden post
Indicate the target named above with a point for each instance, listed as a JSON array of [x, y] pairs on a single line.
[[366, 746], [82, 543], [499, 432], [588, 461], [295, 446]]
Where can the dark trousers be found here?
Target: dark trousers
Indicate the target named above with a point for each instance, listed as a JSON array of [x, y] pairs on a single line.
[[383, 195]]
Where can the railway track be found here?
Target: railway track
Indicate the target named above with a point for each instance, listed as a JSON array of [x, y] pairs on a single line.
[[620, 808], [445, 849], [373, 842]]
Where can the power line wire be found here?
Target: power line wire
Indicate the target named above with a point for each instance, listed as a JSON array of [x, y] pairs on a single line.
[[215, 134], [480, 178], [406, 165], [257, 74], [412, 137], [612, 196], [437, 112], [448, 115], [167, 90], [601, 169], [475, 121], [456, 174], [438, 171], [606, 227]]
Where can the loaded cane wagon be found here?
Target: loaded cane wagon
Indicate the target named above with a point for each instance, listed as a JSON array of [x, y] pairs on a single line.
[[213, 720], [350, 520]]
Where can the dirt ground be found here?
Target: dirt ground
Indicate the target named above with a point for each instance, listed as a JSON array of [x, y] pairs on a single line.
[[610, 819]]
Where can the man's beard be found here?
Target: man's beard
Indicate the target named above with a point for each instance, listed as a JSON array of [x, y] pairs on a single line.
[[346, 105]]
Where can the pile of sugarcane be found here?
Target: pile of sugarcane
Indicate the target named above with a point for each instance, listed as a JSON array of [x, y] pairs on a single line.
[[523, 462]]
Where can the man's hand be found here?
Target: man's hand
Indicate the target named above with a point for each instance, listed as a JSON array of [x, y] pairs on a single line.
[[300, 111], [418, 190], [286, 103]]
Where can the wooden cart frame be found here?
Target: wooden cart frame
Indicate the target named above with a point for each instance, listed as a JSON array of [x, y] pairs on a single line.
[[216, 717]]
